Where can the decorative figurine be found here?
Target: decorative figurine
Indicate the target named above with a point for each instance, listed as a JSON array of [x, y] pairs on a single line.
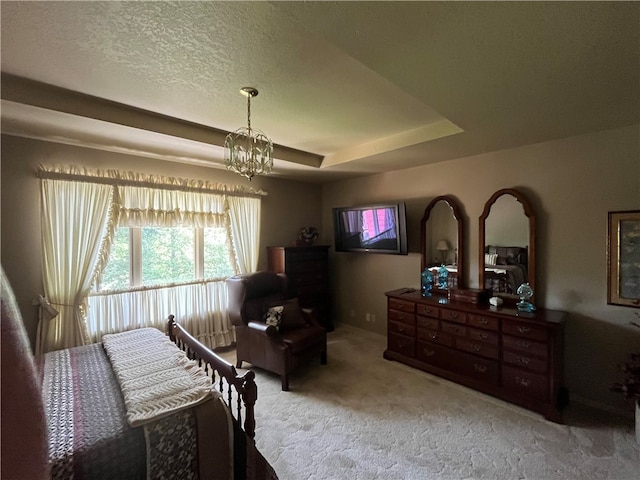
[[426, 282], [307, 236], [443, 273], [525, 293]]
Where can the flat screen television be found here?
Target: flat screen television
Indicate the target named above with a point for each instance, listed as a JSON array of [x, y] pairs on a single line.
[[371, 228]]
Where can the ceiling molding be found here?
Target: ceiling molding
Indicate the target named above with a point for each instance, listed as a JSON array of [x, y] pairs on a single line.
[[19, 90]]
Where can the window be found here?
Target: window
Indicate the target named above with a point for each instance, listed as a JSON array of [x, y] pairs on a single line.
[[155, 256]]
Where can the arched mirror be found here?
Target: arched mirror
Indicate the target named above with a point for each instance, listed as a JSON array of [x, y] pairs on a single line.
[[441, 239], [507, 244]]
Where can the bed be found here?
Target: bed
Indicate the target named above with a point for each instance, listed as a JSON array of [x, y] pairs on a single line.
[[505, 268], [142, 404]]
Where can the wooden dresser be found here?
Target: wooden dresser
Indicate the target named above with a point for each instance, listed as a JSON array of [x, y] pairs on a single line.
[[515, 356], [307, 269]]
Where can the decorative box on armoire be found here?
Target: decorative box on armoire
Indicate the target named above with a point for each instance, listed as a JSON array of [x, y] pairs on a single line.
[[307, 270]]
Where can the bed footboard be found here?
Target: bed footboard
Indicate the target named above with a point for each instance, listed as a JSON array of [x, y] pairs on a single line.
[[223, 375]]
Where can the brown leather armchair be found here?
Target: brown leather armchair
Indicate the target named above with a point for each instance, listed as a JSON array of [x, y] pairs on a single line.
[[297, 339]]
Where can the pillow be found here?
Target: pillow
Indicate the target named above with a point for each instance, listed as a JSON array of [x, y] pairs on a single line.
[[273, 316], [490, 258], [292, 316]]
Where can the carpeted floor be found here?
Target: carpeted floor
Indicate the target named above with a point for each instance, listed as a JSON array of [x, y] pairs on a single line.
[[363, 417]]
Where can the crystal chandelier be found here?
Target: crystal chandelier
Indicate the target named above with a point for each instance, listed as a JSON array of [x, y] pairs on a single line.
[[248, 151]]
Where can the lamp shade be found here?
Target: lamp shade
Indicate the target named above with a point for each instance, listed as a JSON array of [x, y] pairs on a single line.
[[442, 245]]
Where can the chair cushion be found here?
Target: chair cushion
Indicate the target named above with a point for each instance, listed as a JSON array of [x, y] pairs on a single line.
[[301, 339]]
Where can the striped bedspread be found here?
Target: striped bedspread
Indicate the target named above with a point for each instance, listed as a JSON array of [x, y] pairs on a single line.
[[90, 436]]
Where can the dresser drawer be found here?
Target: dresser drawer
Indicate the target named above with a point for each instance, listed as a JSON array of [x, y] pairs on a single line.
[[453, 315], [304, 267], [526, 346], [454, 329], [485, 370], [435, 337], [427, 322], [310, 277], [482, 321], [303, 255], [310, 289], [530, 384], [402, 328], [525, 330], [428, 311], [525, 361], [403, 345], [478, 348], [402, 305], [484, 336], [403, 317], [435, 355]]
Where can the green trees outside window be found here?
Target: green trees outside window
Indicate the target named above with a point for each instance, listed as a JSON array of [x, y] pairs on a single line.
[[155, 256]]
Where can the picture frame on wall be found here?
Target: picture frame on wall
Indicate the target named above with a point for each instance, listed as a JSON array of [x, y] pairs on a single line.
[[623, 255]]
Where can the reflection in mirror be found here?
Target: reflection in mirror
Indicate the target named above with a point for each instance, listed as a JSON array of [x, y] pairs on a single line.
[[441, 239], [507, 249]]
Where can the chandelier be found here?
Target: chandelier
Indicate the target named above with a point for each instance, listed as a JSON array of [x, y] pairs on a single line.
[[248, 151]]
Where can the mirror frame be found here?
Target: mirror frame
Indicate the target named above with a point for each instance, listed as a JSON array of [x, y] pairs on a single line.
[[531, 256], [457, 215]]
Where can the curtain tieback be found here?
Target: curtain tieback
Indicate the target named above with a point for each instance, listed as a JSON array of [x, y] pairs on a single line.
[[46, 308]]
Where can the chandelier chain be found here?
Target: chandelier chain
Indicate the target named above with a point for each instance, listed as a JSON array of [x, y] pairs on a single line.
[[249, 112]]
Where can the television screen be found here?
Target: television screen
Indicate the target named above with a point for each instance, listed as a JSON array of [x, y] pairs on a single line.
[[371, 228]]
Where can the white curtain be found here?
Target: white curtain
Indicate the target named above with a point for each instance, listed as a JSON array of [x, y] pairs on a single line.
[[81, 210], [76, 221], [244, 217], [200, 307], [148, 206]]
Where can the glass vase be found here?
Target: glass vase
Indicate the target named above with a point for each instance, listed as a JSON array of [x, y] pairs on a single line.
[[426, 282], [525, 292], [443, 273]]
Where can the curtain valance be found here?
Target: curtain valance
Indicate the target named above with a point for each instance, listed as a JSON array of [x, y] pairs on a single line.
[[135, 179]]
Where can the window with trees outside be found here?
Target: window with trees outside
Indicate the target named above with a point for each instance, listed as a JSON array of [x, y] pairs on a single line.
[[156, 256], [126, 250]]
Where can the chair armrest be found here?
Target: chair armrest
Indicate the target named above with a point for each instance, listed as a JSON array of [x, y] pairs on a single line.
[[269, 330]]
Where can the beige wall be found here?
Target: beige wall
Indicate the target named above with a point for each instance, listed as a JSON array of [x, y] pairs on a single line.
[[572, 184], [287, 207]]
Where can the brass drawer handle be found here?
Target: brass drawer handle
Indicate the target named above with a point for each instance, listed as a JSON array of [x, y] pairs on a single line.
[[433, 336], [524, 360], [524, 329], [523, 344], [429, 353], [484, 321], [453, 314], [401, 344], [476, 348], [484, 336], [401, 328], [479, 368], [525, 382]]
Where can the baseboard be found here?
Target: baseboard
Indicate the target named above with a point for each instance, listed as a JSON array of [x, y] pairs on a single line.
[[601, 406]]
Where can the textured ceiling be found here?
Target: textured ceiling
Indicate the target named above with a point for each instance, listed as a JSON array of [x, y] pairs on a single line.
[[363, 87]]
